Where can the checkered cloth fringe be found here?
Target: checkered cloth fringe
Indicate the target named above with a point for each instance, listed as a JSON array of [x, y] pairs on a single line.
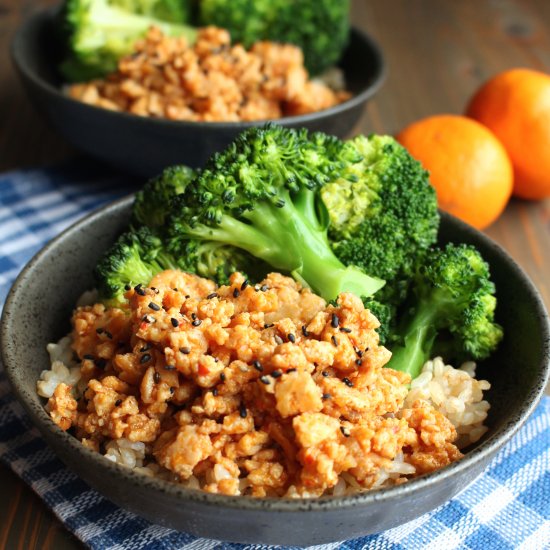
[[506, 508]]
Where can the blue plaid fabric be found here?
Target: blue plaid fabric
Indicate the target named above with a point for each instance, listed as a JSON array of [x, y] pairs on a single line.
[[508, 507]]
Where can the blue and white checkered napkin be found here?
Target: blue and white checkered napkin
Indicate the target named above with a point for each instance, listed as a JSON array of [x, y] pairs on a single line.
[[508, 507]]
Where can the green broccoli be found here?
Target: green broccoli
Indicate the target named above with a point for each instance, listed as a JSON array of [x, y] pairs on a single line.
[[207, 259], [261, 194], [153, 201], [451, 309], [100, 32], [383, 214], [135, 258], [138, 255], [174, 11], [319, 27]]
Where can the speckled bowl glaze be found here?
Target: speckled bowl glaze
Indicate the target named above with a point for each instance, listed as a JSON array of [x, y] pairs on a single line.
[[37, 311], [144, 146]]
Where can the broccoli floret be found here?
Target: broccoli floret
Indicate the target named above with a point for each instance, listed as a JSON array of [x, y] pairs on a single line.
[[319, 27], [100, 32], [153, 201], [207, 259], [216, 261], [262, 195], [383, 214], [138, 255], [133, 259], [385, 313], [452, 309]]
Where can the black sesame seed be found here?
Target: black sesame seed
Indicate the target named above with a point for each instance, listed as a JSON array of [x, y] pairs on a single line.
[[215, 392], [263, 288], [326, 396], [146, 347], [335, 321], [345, 431], [325, 373], [264, 380], [109, 335], [276, 374], [334, 340], [148, 319], [291, 338], [213, 295], [236, 293], [88, 356], [222, 377], [245, 284], [358, 362], [118, 402], [101, 363], [193, 315], [266, 325], [196, 322], [367, 348], [175, 322], [139, 289], [242, 411], [187, 296], [345, 329], [145, 358], [185, 350], [127, 287], [347, 382], [156, 377], [155, 290], [99, 330], [291, 370], [172, 390], [169, 367], [358, 352], [304, 331], [258, 366], [154, 307]]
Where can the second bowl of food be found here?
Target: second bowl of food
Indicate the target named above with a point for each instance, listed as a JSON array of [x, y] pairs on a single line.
[[263, 408], [171, 104]]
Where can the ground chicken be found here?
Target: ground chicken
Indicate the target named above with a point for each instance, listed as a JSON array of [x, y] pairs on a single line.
[[247, 389], [210, 81]]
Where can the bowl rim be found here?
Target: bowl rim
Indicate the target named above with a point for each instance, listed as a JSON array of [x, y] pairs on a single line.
[[40, 18], [481, 452]]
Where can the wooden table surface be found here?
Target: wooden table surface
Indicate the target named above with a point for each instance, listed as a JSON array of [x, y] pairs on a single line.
[[438, 53]]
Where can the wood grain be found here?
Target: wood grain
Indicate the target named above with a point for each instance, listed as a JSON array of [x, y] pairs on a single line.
[[438, 53]]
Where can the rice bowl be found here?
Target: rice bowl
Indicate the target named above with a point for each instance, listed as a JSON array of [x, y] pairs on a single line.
[[48, 289]]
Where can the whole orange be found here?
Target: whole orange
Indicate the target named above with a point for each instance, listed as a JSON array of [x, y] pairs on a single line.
[[515, 105], [468, 166]]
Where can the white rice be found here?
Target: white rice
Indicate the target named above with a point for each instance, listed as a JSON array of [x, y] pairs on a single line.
[[126, 453], [457, 394], [64, 368]]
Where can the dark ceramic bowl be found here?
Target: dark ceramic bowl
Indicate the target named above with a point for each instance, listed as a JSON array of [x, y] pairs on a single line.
[[37, 311], [144, 146]]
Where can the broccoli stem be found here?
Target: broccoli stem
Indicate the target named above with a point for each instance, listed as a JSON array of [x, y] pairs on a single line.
[[418, 339], [119, 22], [290, 239]]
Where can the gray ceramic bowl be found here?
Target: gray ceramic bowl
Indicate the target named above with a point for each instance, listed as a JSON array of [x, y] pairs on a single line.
[[37, 311], [144, 146]]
